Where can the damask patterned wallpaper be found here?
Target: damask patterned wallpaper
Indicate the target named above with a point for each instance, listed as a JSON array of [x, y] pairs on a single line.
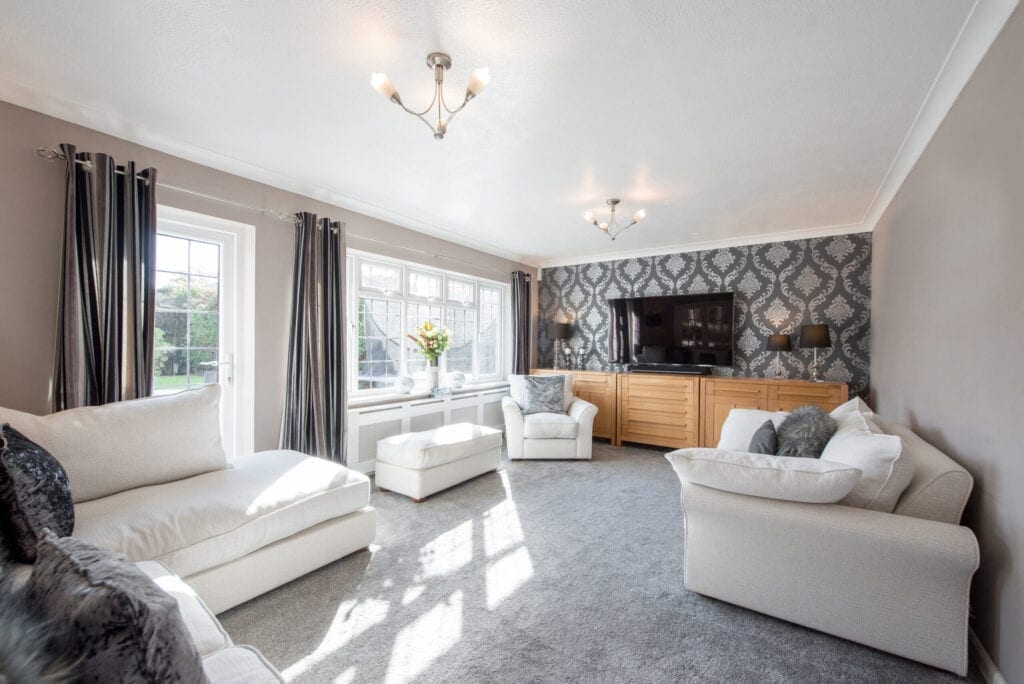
[[779, 287]]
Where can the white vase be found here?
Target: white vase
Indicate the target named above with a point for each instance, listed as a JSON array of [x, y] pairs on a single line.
[[432, 372]]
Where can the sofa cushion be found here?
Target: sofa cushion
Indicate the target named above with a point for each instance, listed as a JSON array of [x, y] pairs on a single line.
[[886, 470], [430, 448], [118, 625], [128, 444], [204, 521], [741, 424], [34, 495], [805, 432], [772, 477], [206, 630], [239, 665], [549, 426], [765, 440], [855, 405]]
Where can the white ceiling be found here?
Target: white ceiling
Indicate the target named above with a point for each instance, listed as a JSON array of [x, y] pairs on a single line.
[[729, 122]]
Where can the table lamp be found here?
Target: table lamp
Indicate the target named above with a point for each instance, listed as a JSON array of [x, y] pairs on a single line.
[[815, 337], [558, 332], [778, 344]]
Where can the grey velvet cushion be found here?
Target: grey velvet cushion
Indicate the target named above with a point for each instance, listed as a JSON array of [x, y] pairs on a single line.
[[765, 440], [34, 495], [118, 624], [805, 432], [543, 394]]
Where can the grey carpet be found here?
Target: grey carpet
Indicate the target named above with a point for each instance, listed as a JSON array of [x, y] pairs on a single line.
[[547, 571]]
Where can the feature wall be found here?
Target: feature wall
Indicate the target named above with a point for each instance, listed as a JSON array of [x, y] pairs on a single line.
[[778, 286]]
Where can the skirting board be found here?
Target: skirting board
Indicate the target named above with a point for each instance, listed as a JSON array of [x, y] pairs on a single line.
[[988, 668]]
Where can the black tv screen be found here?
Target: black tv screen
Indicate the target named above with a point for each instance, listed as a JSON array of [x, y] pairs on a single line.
[[678, 329]]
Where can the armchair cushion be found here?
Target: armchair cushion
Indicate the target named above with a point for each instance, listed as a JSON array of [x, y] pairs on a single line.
[[771, 477], [550, 426], [518, 392]]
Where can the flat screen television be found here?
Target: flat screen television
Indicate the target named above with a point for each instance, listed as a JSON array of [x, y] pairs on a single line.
[[684, 330]]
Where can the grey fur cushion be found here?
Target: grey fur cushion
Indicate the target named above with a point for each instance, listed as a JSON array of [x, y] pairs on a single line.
[[765, 440], [119, 624], [805, 432], [34, 495], [544, 394]]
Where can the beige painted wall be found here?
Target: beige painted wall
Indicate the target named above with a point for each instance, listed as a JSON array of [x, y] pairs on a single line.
[[31, 197], [948, 322]]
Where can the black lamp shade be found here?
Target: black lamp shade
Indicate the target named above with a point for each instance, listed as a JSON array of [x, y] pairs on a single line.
[[815, 337], [779, 343], [558, 331]]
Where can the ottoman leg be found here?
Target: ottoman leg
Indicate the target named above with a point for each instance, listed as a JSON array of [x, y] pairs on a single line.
[[420, 500]]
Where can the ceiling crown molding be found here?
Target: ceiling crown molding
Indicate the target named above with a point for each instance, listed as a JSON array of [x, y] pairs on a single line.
[[682, 248], [22, 95], [980, 30]]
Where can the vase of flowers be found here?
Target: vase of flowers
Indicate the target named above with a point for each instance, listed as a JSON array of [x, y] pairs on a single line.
[[431, 340]]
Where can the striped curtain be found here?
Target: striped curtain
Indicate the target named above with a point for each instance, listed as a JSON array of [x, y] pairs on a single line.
[[314, 411], [107, 284], [520, 322]]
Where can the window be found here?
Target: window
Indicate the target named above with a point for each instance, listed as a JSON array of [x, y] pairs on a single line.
[[390, 299], [186, 338], [205, 315]]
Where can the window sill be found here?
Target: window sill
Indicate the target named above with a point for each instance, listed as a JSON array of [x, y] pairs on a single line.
[[384, 399]]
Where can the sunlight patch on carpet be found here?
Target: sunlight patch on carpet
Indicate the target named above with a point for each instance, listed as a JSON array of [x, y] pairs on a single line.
[[506, 575], [422, 642], [351, 619]]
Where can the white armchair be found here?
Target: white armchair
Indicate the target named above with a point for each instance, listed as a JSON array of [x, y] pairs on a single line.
[[550, 435]]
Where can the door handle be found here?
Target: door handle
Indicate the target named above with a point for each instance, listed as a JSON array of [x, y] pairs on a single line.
[[230, 363]]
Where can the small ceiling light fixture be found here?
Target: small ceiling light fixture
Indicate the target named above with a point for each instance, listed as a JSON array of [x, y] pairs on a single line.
[[439, 62], [612, 228]]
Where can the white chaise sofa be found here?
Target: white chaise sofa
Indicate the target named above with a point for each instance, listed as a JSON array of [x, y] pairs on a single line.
[[899, 582], [150, 479]]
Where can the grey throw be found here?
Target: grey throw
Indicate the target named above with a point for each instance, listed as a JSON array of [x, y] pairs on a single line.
[[107, 283], [314, 411]]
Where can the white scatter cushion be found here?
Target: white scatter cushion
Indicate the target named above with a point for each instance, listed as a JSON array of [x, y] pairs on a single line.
[[883, 459], [127, 444], [741, 424], [517, 390], [855, 405], [806, 480]]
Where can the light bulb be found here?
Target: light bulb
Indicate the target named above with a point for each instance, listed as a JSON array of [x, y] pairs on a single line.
[[478, 81], [640, 215], [588, 217], [604, 227], [383, 85]]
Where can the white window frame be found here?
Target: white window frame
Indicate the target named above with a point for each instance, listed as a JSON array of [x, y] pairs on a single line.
[[238, 254], [356, 259]]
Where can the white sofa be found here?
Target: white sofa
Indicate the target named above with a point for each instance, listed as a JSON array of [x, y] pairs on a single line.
[[568, 435], [899, 582], [223, 661], [150, 480]]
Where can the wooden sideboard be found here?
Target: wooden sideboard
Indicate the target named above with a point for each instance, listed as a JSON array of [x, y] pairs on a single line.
[[659, 409], [599, 389], [677, 411], [719, 395]]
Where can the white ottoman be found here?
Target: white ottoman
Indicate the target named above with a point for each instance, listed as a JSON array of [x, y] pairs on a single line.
[[419, 464]]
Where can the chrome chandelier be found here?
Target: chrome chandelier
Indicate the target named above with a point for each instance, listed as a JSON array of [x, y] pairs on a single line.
[[611, 228], [439, 62]]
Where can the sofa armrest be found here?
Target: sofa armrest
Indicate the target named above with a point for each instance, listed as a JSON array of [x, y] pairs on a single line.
[[893, 582], [513, 427], [583, 412]]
